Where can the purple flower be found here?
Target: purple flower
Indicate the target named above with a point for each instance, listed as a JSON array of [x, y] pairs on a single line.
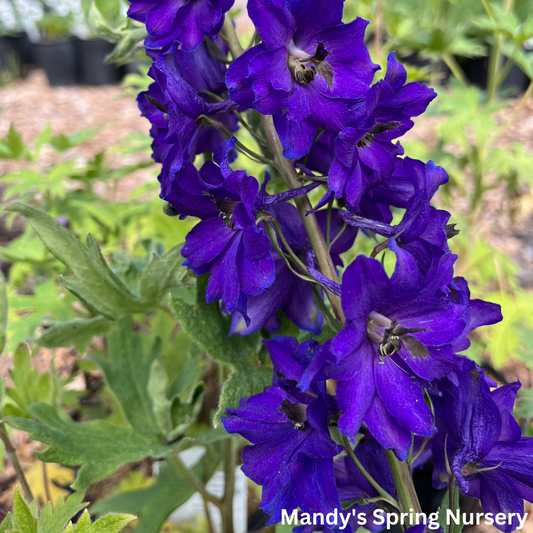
[[227, 243], [307, 66], [352, 485], [489, 458], [184, 21], [174, 105], [364, 154], [292, 453], [290, 293], [399, 335], [421, 236]]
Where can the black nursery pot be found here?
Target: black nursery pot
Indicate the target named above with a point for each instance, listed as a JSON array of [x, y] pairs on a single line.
[[22, 47], [58, 60], [92, 68]]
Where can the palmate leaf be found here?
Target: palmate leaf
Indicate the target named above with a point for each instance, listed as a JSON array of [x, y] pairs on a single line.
[[154, 504], [29, 386], [208, 328], [77, 333], [110, 523], [127, 372], [93, 283], [162, 274], [99, 447], [55, 520]]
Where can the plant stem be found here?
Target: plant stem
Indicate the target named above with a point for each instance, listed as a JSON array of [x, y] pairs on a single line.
[[228, 452], [46, 483], [288, 173], [314, 232], [196, 483], [494, 79], [381, 491], [457, 71], [233, 41], [13, 457], [378, 24], [451, 504], [405, 489]]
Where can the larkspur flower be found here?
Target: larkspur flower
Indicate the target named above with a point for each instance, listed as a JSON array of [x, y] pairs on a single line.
[[228, 242], [399, 335], [290, 293], [307, 66], [488, 456], [364, 155], [184, 21], [292, 452], [175, 103]]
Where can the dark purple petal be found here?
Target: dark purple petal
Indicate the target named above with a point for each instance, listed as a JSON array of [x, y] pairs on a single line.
[[365, 286], [403, 397], [273, 21]]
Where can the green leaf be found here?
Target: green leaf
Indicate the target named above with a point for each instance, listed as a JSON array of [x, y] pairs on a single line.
[[173, 416], [94, 282], [127, 45], [155, 503], [206, 326], [7, 524], [3, 312], [23, 515], [241, 384], [84, 523], [102, 27], [55, 519], [110, 523], [163, 273], [445, 506], [77, 333], [14, 142], [29, 386], [524, 404], [99, 447], [127, 373]]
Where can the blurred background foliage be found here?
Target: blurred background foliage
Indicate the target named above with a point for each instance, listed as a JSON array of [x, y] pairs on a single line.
[[479, 57]]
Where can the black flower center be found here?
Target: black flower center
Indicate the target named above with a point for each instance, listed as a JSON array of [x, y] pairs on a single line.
[[304, 67], [295, 412], [368, 137], [226, 206], [390, 336]]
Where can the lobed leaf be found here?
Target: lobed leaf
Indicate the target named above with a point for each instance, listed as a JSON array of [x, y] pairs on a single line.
[[98, 446], [94, 283]]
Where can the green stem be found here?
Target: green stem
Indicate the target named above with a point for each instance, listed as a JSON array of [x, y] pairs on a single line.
[[494, 79], [13, 457], [381, 491], [457, 71], [314, 232], [196, 483], [233, 41], [405, 489], [288, 173], [228, 452], [451, 504]]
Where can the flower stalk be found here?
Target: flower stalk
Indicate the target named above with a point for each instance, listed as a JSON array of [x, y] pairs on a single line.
[[13, 457]]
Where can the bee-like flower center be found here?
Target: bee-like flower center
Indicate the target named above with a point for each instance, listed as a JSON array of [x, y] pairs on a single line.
[[226, 206], [304, 67], [295, 412]]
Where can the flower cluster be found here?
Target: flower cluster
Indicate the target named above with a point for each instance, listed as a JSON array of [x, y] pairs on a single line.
[[388, 373]]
